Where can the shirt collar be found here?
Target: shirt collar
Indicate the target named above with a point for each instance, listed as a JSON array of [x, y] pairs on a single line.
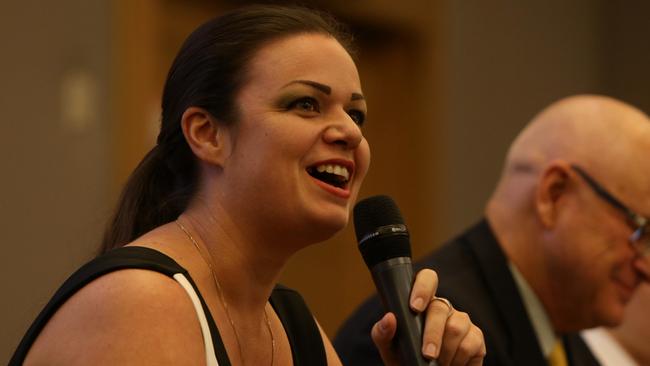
[[541, 323], [606, 348]]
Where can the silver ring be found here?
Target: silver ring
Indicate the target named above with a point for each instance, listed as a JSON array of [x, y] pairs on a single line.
[[444, 301]]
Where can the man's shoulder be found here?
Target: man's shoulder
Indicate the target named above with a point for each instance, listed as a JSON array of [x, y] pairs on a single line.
[[457, 254]]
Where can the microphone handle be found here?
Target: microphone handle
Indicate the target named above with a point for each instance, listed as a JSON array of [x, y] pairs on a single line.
[[393, 279]]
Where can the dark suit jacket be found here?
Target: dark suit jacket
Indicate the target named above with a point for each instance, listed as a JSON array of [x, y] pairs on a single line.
[[474, 275]]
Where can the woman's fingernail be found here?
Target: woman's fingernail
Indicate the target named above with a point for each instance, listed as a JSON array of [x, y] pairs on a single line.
[[430, 350], [417, 303]]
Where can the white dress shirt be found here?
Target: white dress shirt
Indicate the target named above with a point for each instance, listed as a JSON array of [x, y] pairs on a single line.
[[606, 349]]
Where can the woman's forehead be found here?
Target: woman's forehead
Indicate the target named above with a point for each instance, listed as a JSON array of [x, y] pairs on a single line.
[[303, 57]]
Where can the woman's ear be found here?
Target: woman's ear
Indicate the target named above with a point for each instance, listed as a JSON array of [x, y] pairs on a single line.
[[552, 186], [207, 137]]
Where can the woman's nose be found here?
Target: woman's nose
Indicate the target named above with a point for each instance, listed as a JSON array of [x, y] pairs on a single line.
[[343, 131]]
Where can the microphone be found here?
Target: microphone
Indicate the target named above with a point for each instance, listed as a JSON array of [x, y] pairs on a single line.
[[384, 244]]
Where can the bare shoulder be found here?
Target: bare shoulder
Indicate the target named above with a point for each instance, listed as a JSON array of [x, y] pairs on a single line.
[[126, 317]]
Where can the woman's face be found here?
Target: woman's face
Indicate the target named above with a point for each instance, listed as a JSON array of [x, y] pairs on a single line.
[[299, 155]]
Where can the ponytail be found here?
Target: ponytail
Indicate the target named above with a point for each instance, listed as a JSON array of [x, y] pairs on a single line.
[[156, 193]]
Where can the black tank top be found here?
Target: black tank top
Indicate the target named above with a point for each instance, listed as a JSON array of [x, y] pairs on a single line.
[[301, 329]]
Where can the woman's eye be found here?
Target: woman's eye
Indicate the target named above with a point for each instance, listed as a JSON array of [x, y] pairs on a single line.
[[357, 116], [305, 104]]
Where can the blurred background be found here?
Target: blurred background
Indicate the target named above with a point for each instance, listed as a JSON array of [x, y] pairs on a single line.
[[449, 84]]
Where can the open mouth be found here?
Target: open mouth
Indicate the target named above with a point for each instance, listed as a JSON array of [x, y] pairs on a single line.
[[333, 174]]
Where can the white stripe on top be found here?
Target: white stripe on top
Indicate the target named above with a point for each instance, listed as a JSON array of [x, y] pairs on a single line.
[[210, 357]]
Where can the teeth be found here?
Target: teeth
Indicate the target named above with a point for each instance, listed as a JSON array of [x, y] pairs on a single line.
[[334, 169]]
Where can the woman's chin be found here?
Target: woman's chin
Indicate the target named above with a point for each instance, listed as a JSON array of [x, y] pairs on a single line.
[[324, 228]]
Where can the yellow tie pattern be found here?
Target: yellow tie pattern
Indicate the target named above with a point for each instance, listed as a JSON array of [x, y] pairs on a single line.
[[558, 355]]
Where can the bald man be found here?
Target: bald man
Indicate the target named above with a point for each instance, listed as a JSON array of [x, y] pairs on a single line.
[[559, 249]]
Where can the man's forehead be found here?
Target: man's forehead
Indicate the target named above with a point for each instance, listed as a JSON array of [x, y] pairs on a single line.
[[633, 189]]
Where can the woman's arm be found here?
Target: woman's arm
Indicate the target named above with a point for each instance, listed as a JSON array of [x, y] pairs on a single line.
[[127, 317]]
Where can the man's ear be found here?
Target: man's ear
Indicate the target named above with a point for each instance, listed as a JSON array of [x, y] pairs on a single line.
[[207, 137], [552, 186]]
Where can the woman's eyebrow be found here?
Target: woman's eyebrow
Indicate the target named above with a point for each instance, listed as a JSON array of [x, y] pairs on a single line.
[[318, 86], [323, 88]]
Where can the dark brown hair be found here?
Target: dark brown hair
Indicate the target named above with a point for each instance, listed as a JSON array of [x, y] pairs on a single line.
[[208, 71]]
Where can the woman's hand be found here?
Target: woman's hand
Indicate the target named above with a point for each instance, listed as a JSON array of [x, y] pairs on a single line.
[[449, 335]]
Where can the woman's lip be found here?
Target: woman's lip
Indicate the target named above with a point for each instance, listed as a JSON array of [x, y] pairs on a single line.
[[339, 192]]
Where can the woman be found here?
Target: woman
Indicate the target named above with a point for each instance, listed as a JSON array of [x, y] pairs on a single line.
[[260, 154]]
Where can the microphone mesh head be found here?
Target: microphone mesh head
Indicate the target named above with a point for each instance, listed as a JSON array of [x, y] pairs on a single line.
[[377, 245], [374, 212]]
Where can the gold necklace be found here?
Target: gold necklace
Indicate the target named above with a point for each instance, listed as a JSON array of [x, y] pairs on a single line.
[[208, 262]]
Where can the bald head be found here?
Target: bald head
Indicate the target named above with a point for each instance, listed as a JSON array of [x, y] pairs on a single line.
[[593, 131], [599, 133]]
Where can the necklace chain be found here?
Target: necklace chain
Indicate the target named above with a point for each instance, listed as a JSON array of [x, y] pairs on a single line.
[[208, 262]]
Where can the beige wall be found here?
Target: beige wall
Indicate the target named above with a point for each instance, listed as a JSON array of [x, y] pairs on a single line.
[[485, 69], [502, 61], [54, 149]]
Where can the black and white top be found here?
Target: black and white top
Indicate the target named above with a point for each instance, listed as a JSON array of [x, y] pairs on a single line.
[[301, 329]]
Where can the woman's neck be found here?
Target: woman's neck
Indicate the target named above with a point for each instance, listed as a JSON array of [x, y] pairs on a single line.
[[243, 265]]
